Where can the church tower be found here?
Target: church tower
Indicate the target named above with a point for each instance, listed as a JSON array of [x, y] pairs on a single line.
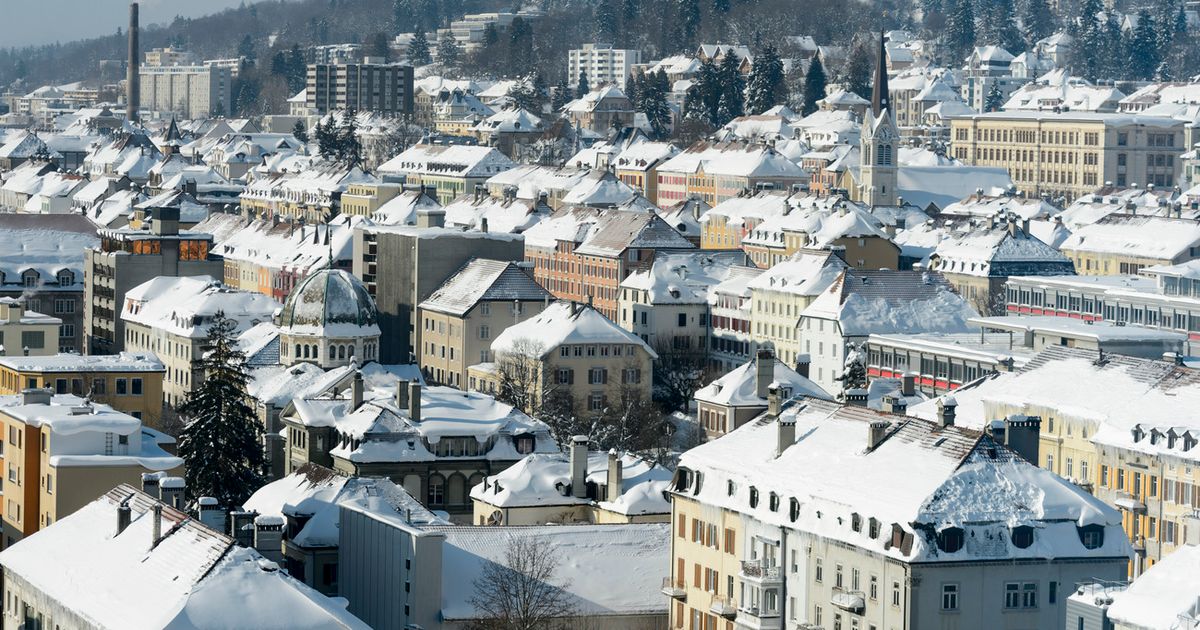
[[880, 143]]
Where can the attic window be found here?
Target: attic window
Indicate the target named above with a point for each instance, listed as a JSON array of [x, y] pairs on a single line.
[[873, 528], [753, 497], [1092, 536], [773, 502], [856, 522], [1022, 536], [793, 509], [950, 539], [730, 487]]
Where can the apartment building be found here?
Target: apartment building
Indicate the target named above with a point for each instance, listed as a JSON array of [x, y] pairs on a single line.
[[667, 303], [171, 57], [741, 395], [1116, 425], [731, 314], [363, 87], [170, 318], [988, 68], [128, 382], [638, 165], [125, 258], [311, 193], [1127, 243], [603, 110], [820, 515], [401, 266], [832, 223], [26, 332], [780, 294], [189, 92], [471, 308], [726, 223], [1069, 154], [61, 452], [454, 170], [583, 254], [716, 172], [572, 350], [602, 64]]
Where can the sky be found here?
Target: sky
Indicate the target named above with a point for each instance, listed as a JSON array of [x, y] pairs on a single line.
[[32, 22]]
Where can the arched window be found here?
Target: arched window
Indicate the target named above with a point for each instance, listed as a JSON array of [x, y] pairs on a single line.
[[885, 155], [341, 352], [332, 352], [316, 350], [456, 491], [950, 539], [306, 351], [350, 353], [1022, 536]]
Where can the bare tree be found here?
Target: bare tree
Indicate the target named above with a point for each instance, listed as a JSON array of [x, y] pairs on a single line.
[[525, 379], [678, 373], [523, 592]]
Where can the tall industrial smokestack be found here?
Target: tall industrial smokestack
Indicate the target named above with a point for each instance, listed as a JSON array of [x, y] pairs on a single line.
[[133, 88]]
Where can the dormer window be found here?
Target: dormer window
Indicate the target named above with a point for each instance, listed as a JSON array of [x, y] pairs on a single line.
[[29, 278], [856, 522], [65, 278], [950, 539], [1022, 536], [773, 502], [1092, 536], [753, 497], [793, 509]]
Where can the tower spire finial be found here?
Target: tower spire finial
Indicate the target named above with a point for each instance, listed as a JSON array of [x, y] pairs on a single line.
[[880, 100]]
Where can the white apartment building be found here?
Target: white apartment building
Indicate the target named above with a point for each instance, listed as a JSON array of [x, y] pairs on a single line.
[[187, 91], [602, 64]]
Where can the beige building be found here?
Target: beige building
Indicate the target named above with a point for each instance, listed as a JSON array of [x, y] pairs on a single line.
[[830, 223], [27, 332], [454, 170], [129, 383], [742, 394], [364, 199], [778, 296], [1071, 154], [187, 91], [61, 452], [568, 349], [1124, 244], [607, 488], [602, 64], [462, 318]]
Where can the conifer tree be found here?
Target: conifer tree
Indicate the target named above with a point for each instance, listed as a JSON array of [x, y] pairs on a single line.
[[1038, 21], [582, 88], [561, 95], [766, 87], [606, 20], [1143, 47], [418, 49], [859, 65], [708, 83], [349, 146], [814, 86], [448, 53], [687, 23], [960, 28], [732, 103], [994, 100], [300, 132], [403, 16], [222, 440], [652, 101]]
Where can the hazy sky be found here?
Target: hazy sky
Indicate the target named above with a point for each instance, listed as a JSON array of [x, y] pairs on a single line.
[[26, 22]]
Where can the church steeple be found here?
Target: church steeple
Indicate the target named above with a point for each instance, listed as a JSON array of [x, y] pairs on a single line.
[[879, 92]]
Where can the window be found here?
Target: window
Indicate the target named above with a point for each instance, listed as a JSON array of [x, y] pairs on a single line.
[[1020, 595], [873, 590], [949, 597], [33, 339], [135, 386], [682, 319], [837, 576], [597, 376], [485, 332], [98, 386], [122, 387], [895, 593], [818, 571], [485, 308], [437, 490], [566, 376]]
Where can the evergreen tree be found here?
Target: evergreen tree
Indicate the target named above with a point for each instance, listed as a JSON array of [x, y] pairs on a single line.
[[859, 65], [379, 45], [814, 86], [328, 142], [300, 132], [606, 20], [708, 84], [222, 441], [1038, 20], [652, 101], [630, 11], [733, 94], [1143, 47], [766, 87], [349, 151], [491, 36], [687, 23], [403, 16], [721, 6], [1164, 19], [520, 46], [246, 48], [994, 100], [582, 88], [448, 53], [561, 96], [693, 105], [418, 49], [1002, 26], [960, 28], [1110, 56]]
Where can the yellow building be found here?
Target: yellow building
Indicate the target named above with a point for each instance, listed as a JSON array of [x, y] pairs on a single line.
[[61, 452], [604, 488], [781, 293], [364, 199], [1125, 244], [129, 383], [454, 170], [1070, 154], [727, 223], [823, 223]]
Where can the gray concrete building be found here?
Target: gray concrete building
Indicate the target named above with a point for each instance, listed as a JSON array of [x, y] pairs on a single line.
[[365, 87], [125, 258], [401, 266]]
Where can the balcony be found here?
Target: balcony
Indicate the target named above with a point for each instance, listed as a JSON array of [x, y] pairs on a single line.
[[675, 589], [723, 606], [1127, 501], [755, 617], [849, 601], [759, 572]]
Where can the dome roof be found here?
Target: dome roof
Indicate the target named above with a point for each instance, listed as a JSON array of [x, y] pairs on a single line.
[[329, 298]]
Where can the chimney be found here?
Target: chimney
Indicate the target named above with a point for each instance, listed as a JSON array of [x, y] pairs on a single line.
[[908, 384], [133, 87], [1025, 226], [241, 526], [764, 371], [876, 431], [1021, 435], [776, 395], [483, 224], [895, 404], [803, 361], [150, 483], [171, 491], [401, 394], [1173, 357], [356, 390], [615, 477], [414, 402], [124, 516], [211, 514], [785, 434], [268, 536], [156, 532], [945, 412], [1191, 530], [431, 218], [165, 221], [579, 464], [36, 397]]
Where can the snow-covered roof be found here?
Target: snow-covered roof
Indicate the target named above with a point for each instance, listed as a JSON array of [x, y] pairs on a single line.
[[683, 277], [46, 244], [303, 249], [589, 558], [919, 479], [530, 180], [805, 273], [544, 480], [984, 205], [944, 185], [865, 302], [739, 386], [734, 159], [740, 211], [330, 302], [642, 156], [187, 306], [1140, 236], [822, 220], [122, 362], [564, 323], [599, 189], [192, 578], [484, 280], [312, 495], [403, 208], [512, 215], [1164, 596], [453, 160], [605, 232], [999, 252], [510, 121]]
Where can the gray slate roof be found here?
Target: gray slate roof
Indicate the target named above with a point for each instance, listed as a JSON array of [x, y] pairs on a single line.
[[484, 280]]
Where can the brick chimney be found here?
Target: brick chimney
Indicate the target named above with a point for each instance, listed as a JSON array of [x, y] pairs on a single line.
[[268, 536], [764, 371], [356, 390], [156, 524], [803, 364], [615, 476], [124, 516], [776, 395], [1021, 434], [241, 527], [402, 394], [150, 483], [908, 384], [579, 464]]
